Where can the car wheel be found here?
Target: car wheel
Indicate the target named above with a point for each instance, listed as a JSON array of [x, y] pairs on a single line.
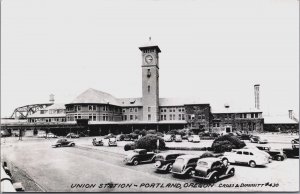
[[73, 144], [170, 167], [231, 172], [279, 158], [58, 145], [225, 161], [214, 178], [135, 162], [252, 164]]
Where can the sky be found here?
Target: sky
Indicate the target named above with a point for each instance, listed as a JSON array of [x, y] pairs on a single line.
[[215, 50]]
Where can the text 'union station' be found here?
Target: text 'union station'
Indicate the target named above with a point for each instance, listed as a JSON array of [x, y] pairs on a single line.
[[99, 113]]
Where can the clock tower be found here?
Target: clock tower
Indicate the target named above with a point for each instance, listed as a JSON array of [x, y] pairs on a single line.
[[150, 79]]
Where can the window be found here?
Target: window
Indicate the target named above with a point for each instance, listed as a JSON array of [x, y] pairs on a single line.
[[94, 117], [78, 108], [125, 117], [239, 152], [136, 117], [131, 117], [124, 110], [149, 117], [165, 117], [149, 109], [130, 109], [90, 117], [148, 89], [246, 153], [252, 115], [256, 115], [92, 107], [179, 116], [135, 110]]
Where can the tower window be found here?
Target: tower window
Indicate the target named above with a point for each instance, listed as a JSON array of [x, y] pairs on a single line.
[[148, 88], [149, 117]]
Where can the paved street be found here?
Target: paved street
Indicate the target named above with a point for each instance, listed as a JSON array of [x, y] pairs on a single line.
[[58, 169]]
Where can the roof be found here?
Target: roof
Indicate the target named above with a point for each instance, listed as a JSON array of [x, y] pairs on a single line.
[[179, 101], [150, 43], [130, 101], [188, 156], [210, 159], [95, 96], [234, 110], [47, 114], [279, 120]]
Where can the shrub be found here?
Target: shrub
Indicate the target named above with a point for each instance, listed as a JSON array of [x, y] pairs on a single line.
[[143, 132], [122, 136], [134, 136], [129, 146], [136, 131], [151, 131], [227, 143], [149, 142]]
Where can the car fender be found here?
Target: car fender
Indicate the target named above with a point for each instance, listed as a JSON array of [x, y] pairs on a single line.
[[186, 170], [228, 169], [71, 143], [211, 174]]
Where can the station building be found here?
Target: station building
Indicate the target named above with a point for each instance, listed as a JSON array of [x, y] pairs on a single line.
[[105, 113]]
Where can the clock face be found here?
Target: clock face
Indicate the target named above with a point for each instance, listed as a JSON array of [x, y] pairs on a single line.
[[149, 59]]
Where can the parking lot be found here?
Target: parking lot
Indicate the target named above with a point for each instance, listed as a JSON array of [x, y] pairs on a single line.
[[86, 168]]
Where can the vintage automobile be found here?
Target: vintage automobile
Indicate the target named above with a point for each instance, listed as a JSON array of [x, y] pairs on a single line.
[[72, 135], [184, 165], [252, 157], [127, 137], [164, 161], [64, 143], [51, 135], [277, 154], [295, 143], [168, 138], [194, 138], [178, 138], [212, 169], [257, 139], [97, 142], [41, 135], [112, 141], [138, 156]]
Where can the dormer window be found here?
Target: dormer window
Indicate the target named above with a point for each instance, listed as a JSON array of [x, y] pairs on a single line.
[[148, 73]]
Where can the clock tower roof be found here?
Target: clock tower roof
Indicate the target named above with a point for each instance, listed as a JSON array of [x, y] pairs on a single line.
[[150, 44]]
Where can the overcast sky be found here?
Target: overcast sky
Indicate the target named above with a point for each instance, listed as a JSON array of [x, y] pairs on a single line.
[[212, 49]]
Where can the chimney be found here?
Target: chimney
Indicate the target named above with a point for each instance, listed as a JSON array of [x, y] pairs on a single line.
[[51, 99], [291, 114], [256, 95]]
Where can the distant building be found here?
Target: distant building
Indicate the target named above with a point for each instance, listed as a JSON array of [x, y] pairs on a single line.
[[53, 113], [280, 124]]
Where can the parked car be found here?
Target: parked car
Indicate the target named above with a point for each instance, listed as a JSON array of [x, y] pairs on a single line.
[[251, 157], [291, 152], [41, 135], [168, 138], [51, 135], [164, 161], [112, 141], [194, 138], [178, 138], [257, 139], [295, 143], [139, 156], [244, 136], [120, 137], [72, 135], [64, 143], [97, 142], [184, 164], [127, 137], [212, 169], [277, 154]]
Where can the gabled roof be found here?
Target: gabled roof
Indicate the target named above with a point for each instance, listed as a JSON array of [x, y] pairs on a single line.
[[91, 96], [279, 120]]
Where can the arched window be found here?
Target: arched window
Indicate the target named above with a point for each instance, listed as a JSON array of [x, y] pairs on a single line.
[[148, 88]]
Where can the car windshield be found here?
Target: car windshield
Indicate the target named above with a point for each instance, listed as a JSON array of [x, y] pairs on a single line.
[[202, 163]]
